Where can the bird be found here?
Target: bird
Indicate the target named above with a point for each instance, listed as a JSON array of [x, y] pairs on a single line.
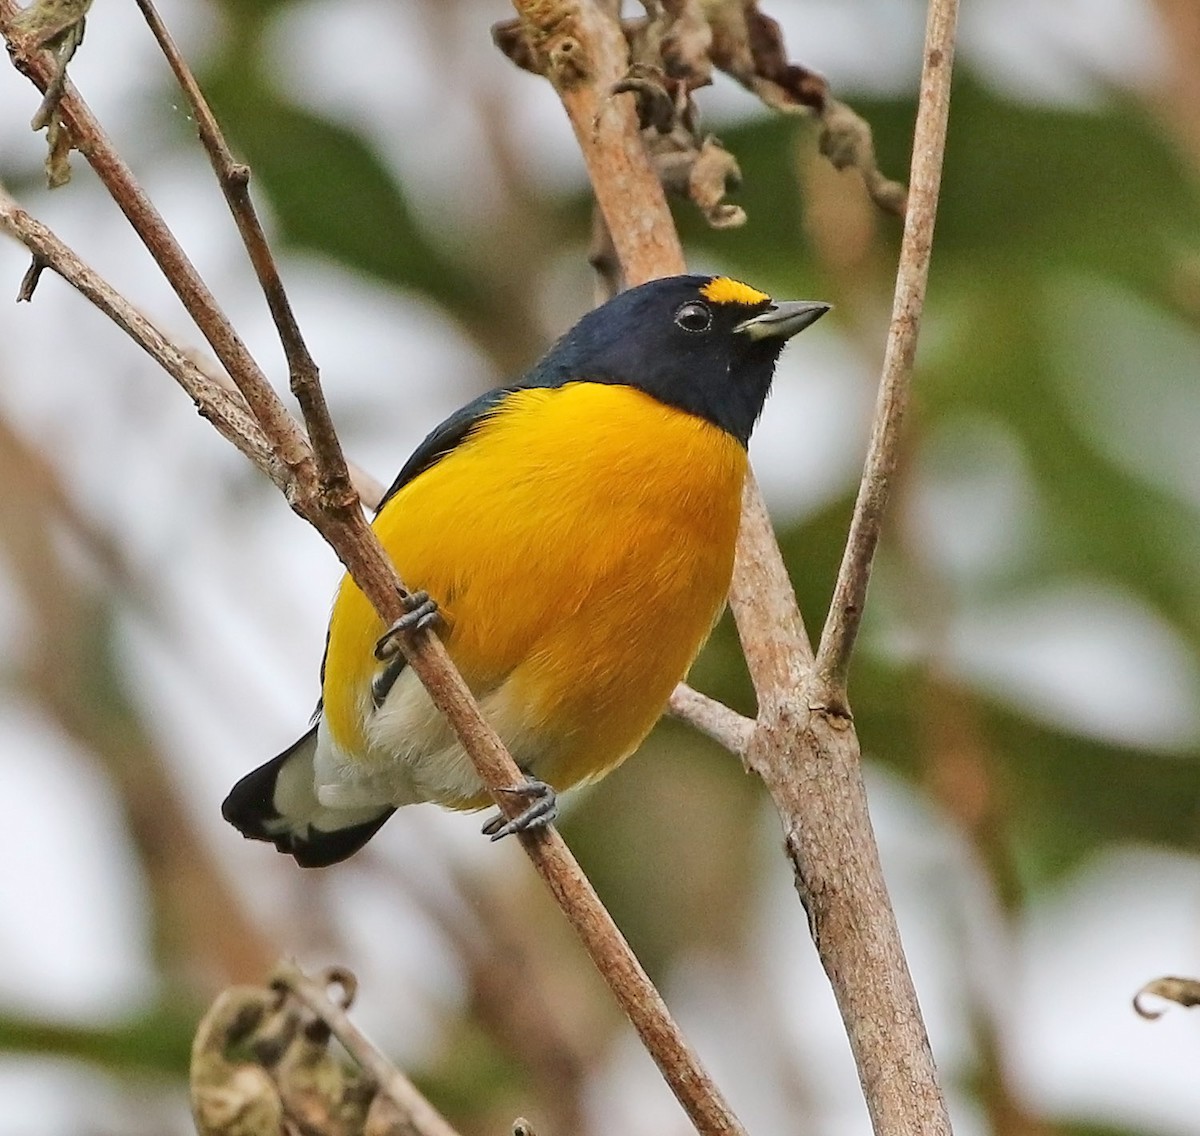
[[570, 537]]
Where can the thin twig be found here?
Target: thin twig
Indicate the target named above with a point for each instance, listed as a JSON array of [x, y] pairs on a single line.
[[216, 395], [711, 717], [90, 140], [369, 488], [420, 1115], [929, 145], [234, 179], [226, 411]]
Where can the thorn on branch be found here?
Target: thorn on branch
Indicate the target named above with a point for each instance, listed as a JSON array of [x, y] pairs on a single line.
[[29, 281]]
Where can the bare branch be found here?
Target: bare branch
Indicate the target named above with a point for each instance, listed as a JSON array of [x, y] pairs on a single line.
[[226, 411], [929, 145], [769, 623], [573, 46], [234, 180], [711, 717], [89, 139]]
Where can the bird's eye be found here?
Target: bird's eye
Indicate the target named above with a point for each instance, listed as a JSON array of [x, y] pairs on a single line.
[[693, 317]]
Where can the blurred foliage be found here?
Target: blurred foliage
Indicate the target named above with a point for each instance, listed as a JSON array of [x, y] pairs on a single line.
[[1033, 196], [156, 1043]]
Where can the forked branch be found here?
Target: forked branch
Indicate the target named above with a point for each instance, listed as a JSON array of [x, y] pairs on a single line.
[[803, 743]]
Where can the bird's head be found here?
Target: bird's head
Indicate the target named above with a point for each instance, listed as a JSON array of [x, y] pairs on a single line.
[[703, 344]]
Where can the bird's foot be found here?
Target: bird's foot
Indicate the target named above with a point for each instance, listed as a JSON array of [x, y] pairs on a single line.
[[541, 810], [420, 612]]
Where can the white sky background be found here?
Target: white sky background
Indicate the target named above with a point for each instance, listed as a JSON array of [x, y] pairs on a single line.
[[229, 674]]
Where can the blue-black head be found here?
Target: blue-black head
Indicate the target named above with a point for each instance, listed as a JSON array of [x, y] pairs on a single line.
[[706, 345]]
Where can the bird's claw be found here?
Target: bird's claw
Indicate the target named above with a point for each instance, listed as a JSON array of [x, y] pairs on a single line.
[[541, 810], [421, 612]]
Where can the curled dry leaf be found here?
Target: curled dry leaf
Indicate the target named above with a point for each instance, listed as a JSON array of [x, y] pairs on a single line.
[[676, 36], [58, 26], [668, 51], [232, 1096], [689, 165], [715, 170], [847, 142], [673, 51], [261, 1065], [748, 46], [1184, 991]]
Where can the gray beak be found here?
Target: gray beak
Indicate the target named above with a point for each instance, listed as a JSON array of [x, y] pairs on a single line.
[[783, 320]]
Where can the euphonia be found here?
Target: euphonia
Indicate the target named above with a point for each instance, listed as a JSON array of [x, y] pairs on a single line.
[[572, 535]]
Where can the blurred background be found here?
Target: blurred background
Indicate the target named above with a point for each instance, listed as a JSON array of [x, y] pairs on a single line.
[[1027, 689]]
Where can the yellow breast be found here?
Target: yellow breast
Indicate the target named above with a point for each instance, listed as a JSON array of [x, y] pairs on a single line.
[[581, 545]]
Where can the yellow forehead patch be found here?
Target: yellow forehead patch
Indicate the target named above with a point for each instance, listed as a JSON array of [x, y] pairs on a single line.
[[723, 290]]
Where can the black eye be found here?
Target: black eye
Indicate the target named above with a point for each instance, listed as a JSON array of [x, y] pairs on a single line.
[[694, 317]]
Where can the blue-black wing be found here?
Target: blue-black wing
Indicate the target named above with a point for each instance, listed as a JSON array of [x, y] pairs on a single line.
[[446, 437]]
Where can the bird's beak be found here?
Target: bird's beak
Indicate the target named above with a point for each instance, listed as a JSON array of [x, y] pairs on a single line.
[[783, 320]]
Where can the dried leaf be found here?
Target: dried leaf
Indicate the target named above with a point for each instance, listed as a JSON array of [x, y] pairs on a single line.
[[57, 25], [58, 153], [230, 1097], [673, 51], [48, 21], [714, 171], [748, 46], [676, 37], [847, 142]]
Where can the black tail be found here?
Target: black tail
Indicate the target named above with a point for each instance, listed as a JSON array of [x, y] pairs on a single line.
[[277, 803]]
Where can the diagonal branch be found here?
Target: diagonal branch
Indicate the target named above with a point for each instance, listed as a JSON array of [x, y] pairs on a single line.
[[90, 140], [769, 622], [803, 744], [929, 145], [225, 410], [344, 527]]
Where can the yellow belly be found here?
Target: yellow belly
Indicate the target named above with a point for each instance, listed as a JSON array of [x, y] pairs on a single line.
[[580, 545]]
